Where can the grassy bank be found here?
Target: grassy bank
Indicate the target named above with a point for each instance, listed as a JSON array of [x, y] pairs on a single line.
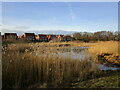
[[103, 79]]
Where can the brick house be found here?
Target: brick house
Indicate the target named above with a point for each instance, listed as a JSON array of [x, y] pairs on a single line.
[[28, 36], [2, 37], [51, 37], [42, 37], [64, 37], [10, 36], [21, 36], [68, 38], [61, 37]]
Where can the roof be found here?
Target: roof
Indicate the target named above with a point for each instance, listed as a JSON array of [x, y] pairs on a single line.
[[52, 35], [67, 36], [42, 35], [10, 34], [32, 34], [61, 35]]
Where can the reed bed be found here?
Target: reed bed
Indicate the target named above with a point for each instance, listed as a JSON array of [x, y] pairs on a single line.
[[25, 66]]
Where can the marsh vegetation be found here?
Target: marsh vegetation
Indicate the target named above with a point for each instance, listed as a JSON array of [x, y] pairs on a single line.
[[41, 65]]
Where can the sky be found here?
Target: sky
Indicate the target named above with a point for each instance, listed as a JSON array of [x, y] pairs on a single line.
[[67, 16]]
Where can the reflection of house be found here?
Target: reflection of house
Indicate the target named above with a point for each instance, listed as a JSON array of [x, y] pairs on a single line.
[[51, 37], [12, 36], [28, 36], [41, 37]]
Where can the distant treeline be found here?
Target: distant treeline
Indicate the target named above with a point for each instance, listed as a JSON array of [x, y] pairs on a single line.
[[97, 36]]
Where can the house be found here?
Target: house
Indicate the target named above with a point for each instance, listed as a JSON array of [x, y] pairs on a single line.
[[2, 37], [42, 37], [51, 37], [64, 37], [61, 37], [28, 36], [12, 36], [67, 38], [21, 36]]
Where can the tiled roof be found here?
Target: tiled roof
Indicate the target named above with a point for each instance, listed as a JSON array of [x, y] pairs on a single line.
[[30, 34], [10, 34]]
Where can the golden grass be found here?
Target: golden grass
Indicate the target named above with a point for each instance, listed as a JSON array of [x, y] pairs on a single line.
[[105, 47], [23, 68], [33, 65], [110, 47]]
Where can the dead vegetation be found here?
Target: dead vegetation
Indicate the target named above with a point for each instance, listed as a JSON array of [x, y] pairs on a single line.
[[23, 68], [106, 51]]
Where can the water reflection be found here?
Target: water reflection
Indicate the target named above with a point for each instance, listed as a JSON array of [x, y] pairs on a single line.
[[103, 67], [80, 53], [75, 54]]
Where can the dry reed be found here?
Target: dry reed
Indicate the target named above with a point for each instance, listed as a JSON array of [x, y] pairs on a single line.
[[23, 68]]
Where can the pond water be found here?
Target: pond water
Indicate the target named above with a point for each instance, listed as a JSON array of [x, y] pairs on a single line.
[[76, 53], [103, 67], [82, 53]]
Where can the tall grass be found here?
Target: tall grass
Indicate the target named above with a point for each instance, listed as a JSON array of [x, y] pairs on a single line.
[[105, 47], [23, 68]]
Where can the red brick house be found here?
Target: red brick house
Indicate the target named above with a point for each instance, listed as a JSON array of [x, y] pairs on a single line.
[[51, 37], [64, 37], [61, 37], [28, 36], [42, 37], [2, 37], [68, 38], [21, 36], [10, 36]]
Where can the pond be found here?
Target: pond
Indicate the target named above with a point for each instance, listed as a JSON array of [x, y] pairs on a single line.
[[75, 53], [82, 53], [103, 67]]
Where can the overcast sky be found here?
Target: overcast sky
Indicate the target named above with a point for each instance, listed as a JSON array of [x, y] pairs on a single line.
[[68, 16]]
